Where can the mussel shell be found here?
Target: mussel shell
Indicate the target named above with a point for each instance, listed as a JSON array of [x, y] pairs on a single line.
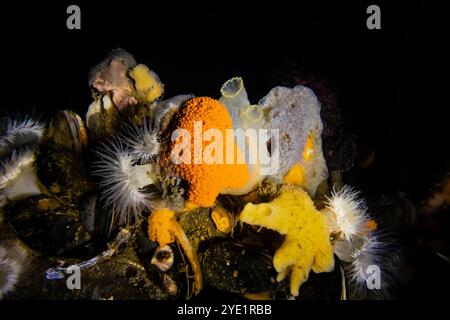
[[61, 160], [238, 269], [50, 227]]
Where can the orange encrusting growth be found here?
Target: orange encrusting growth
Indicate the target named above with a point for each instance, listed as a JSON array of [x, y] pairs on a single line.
[[371, 225], [160, 226], [207, 180]]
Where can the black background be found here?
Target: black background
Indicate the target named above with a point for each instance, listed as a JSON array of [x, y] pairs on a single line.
[[392, 83]]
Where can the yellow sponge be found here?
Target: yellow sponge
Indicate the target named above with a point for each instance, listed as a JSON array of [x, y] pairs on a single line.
[[147, 84], [307, 243]]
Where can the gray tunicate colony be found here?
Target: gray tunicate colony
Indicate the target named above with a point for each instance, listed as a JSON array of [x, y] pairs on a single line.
[[296, 114]]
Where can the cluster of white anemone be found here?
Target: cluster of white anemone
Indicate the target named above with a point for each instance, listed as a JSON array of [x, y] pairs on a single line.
[[125, 166], [356, 245], [18, 180]]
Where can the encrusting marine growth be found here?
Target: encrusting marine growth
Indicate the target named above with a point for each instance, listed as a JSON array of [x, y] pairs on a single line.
[[307, 244], [206, 180]]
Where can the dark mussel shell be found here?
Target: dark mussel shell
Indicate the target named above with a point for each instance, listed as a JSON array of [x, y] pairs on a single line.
[[50, 227], [237, 268]]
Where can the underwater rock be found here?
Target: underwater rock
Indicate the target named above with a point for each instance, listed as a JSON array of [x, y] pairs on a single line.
[[199, 226], [111, 76], [128, 83], [296, 114]]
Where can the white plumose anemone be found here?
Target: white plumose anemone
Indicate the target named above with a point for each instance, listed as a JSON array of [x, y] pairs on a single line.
[[122, 182], [12, 262], [346, 213], [17, 132], [372, 256], [18, 179], [143, 141]]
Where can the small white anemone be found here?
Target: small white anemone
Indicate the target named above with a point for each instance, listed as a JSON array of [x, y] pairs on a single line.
[[144, 141], [15, 132], [18, 179], [371, 254], [348, 213], [122, 182], [12, 260]]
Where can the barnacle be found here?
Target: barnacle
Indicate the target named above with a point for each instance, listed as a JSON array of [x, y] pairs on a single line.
[[165, 229], [163, 258], [306, 246], [102, 118], [207, 173]]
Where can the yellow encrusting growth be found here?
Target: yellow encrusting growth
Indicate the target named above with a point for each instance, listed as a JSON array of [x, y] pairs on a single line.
[[295, 176], [307, 244], [147, 84], [221, 219], [165, 229], [207, 180]]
